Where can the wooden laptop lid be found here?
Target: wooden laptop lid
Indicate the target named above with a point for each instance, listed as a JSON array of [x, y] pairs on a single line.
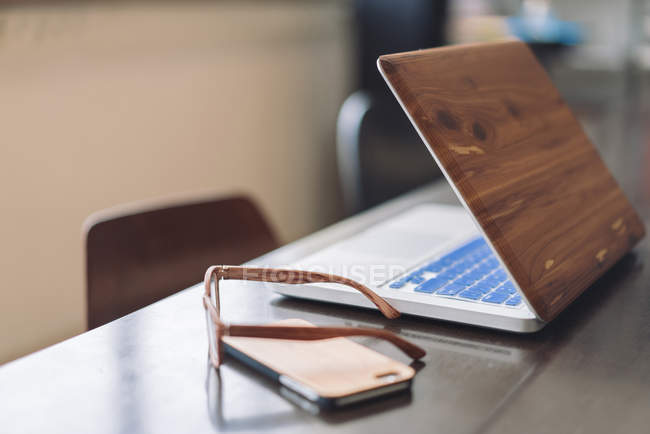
[[521, 163]]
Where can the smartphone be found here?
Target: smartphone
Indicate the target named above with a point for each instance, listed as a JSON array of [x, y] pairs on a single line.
[[330, 373]]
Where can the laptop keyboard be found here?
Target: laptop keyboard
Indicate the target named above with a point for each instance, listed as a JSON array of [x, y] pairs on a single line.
[[471, 272]]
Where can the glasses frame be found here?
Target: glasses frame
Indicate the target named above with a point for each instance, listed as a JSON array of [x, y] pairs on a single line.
[[211, 303]]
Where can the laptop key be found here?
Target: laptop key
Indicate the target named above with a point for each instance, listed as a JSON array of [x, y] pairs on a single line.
[[491, 281], [447, 275], [496, 297], [416, 279], [484, 289], [502, 291], [431, 285], [458, 269], [446, 261], [471, 277], [515, 300], [509, 287], [471, 294], [452, 288], [434, 267]]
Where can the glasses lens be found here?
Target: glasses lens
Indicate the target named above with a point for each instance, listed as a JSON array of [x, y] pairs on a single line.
[[212, 335]]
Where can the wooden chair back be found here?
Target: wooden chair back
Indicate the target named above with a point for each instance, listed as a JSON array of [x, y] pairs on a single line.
[[134, 258]]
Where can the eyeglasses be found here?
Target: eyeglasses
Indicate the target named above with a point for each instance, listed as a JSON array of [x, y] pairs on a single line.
[[218, 329]]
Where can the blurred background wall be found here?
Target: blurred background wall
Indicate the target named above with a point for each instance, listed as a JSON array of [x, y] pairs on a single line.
[[106, 103]]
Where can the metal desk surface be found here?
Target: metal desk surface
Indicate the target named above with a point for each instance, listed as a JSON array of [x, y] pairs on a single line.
[[588, 371]]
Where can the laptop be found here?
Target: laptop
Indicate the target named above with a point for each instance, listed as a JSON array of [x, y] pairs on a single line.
[[541, 218]]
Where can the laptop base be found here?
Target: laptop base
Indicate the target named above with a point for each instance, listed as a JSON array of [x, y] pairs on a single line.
[[518, 321]]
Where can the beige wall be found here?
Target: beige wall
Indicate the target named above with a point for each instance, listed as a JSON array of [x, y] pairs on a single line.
[[106, 105]]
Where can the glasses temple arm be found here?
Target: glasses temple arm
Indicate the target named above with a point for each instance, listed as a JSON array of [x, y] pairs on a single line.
[[294, 277], [317, 333]]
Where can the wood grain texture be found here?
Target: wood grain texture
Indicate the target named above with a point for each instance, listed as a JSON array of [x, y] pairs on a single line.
[[134, 258], [334, 367], [521, 162]]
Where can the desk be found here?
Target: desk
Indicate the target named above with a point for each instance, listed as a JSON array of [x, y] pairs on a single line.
[[588, 371]]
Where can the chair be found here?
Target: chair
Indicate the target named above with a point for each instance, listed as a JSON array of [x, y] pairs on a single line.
[[380, 155], [134, 258]]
